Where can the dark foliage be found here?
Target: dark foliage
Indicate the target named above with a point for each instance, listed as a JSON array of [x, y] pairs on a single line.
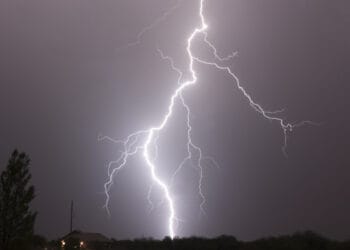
[[192, 243], [299, 241], [16, 218]]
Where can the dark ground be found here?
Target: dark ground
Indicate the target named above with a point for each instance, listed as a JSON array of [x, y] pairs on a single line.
[[299, 241]]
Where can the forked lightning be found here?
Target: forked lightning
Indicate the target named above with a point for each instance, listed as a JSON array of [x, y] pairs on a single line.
[[145, 141]]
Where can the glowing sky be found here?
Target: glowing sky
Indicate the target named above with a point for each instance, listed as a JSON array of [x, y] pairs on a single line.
[[64, 81]]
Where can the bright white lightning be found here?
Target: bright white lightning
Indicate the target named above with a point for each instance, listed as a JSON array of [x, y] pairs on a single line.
[[145, 141]]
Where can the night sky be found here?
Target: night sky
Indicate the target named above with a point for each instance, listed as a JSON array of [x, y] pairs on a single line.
[[66, 77]]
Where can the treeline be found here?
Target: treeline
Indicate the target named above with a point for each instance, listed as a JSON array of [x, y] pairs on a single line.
[[298, 241]]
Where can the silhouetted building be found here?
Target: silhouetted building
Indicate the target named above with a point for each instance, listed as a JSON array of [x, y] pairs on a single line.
[[89, 241]]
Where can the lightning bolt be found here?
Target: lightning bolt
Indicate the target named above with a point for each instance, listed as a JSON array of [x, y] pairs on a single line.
[[145, 141]]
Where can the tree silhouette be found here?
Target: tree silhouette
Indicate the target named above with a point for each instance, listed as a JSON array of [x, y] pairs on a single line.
[[16, 219]]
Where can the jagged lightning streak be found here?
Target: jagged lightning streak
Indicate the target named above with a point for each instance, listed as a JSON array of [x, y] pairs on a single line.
[[145, 141], [151, 26]]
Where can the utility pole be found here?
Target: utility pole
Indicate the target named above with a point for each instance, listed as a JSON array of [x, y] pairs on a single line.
[[71, 216]]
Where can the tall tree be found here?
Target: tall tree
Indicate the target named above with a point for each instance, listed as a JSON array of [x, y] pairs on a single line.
[[16, 193]]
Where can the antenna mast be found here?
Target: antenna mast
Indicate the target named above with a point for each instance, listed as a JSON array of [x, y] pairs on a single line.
[[71, 216]]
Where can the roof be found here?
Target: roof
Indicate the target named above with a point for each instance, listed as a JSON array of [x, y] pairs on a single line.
[[88, 237]]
